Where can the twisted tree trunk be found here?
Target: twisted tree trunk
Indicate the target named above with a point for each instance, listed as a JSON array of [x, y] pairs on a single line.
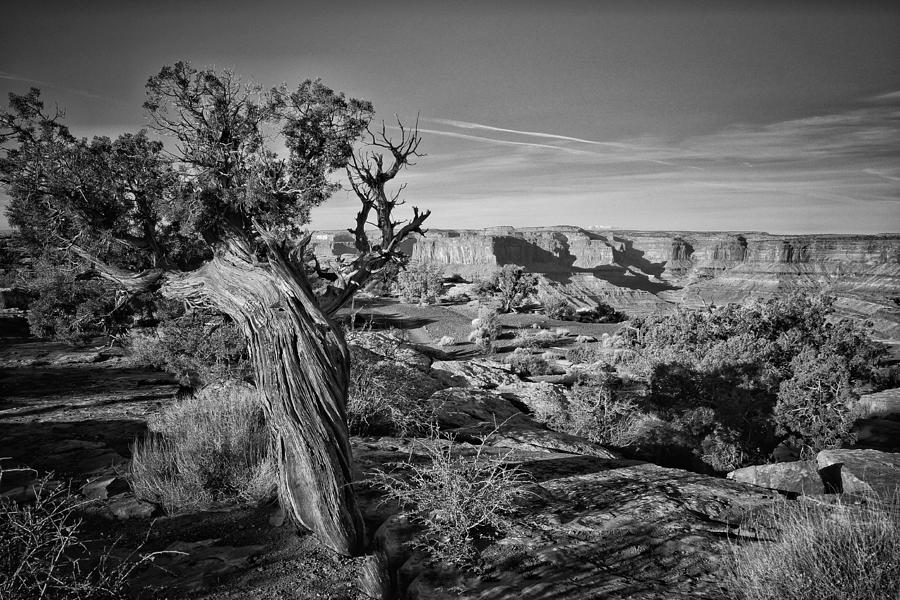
[[301, 365]]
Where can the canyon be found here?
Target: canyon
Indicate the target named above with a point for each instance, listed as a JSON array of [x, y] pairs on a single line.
[[650, 271]]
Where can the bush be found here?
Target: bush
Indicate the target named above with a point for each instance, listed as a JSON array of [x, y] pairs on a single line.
[[421, 282], [384, 282], [814, 406], [601, 313], [75, 311], [772, 371], [525, 363], [484, 289], [382, 400], [198, 347], [486, 328], [586, 353], [841, 552], [42, 554], [596, 412], [211, 447], [514, 286], [459, 495], [559, 308]]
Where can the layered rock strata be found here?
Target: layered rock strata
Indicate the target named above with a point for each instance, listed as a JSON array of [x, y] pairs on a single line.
[[640, 271]]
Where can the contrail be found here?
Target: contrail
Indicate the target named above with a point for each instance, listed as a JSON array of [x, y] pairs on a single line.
[[13, 77], [487, 140], [478, 138], [468, 125]]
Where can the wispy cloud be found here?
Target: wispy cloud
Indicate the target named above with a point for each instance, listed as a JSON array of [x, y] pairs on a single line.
[[827, 172]]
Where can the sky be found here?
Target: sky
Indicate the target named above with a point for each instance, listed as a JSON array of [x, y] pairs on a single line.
[[670, 115]]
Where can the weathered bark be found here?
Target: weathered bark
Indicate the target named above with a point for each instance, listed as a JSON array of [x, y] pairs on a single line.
[[301, 364]]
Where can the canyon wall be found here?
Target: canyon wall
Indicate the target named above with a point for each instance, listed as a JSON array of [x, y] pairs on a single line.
[[639, 271]]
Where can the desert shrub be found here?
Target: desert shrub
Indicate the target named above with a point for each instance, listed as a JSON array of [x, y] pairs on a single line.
[[384, 281], [421, 282], [74, 310], [843, 552], [596, 412], [514, 285], [775, 370], [459, 495], [525, 363], [600, 313], [484, 289], [42, 551], [210, 447], [814, 406], [585, 354], [542, 338], [486, 328], [197, 346], [382, 400], [558, 308]]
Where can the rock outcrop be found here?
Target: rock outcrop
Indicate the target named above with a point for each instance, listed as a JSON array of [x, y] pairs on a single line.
[[586, 527]]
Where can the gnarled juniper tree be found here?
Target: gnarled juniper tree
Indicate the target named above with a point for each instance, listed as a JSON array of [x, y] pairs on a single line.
[[218, 220]]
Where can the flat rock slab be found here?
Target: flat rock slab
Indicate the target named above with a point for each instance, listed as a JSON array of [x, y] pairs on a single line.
[[477, 373], [880, 404], [126, 506], [391, 348], [592, 528], [799, 477], [861, 471]]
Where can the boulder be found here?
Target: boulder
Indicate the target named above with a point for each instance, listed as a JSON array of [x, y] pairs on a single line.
[[544, 400], [880, 404], [533, 438], [13, 297], [799, 477], [461, 408], [877, 433], [102, 488], [126, 506], [478, 373], [860, 471], [391, 348]]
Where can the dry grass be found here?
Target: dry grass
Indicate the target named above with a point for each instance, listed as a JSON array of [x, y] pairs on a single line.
[[383, 398], [843, 552], [208, 448], [43, 556], [460, 495]]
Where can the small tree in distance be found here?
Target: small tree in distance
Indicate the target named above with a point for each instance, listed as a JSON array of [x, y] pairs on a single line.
[[218, 220], [514, 285]]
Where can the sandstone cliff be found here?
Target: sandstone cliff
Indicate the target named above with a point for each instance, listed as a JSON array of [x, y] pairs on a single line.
[[638, 271]]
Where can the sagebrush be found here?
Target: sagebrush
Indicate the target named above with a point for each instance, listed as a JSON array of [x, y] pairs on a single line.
[[208, 448]]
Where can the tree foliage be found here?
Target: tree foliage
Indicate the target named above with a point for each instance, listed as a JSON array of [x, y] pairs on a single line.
[[217, 221]]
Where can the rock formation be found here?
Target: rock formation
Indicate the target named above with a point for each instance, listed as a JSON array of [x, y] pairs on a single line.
[[639, 271]]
